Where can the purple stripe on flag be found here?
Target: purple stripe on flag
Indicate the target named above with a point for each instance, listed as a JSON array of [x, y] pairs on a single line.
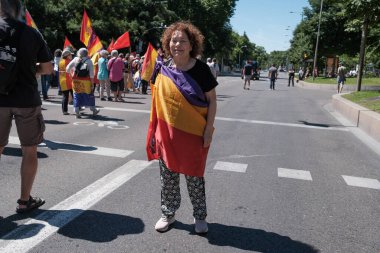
[[186, 85]]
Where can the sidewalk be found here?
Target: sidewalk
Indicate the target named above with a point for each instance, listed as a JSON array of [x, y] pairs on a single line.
[[361, 117]]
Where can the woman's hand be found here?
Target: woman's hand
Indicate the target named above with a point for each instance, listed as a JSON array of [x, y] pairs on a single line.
[[207, 136]]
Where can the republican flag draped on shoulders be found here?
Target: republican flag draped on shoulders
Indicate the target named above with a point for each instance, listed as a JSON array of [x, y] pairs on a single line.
[[88, 36], [150, 58], [29, 20], [177, 122]]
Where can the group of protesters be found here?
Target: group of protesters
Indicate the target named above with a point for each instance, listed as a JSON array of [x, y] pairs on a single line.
[[80, 78]]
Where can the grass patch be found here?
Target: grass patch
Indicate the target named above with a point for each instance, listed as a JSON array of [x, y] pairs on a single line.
[[373, 81], [368, 99]]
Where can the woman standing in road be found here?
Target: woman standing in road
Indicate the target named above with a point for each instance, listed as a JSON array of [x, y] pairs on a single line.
[[182, 119]]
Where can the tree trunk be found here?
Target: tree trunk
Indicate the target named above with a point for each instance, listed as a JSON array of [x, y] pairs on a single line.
[[362, 53]]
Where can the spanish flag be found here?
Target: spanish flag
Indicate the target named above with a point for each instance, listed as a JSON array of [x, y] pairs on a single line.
[[29, 20], [177, 122], [88, 36], [150, 58]]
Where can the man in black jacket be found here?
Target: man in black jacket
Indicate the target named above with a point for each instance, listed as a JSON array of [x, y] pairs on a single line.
[[23, 102]]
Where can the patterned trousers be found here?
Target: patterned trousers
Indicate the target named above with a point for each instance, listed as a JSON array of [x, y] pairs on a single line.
[[171, 194]]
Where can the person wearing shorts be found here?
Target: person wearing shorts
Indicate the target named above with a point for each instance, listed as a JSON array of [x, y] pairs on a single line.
[[23, 102], [341, 76], [116, 88], [116, 71], [247, 72]]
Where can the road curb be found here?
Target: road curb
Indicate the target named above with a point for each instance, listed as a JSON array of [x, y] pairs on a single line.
[[346, 88], [365, 119], [361, 117]]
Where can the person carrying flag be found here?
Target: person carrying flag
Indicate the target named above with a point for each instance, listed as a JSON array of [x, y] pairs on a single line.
[[182, 118], [65, 81], [81, 70]]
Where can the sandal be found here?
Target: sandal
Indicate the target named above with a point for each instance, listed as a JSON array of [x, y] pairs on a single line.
[[32, 203]]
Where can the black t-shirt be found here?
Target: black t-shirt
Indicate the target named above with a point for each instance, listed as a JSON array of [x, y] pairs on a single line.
[[248, 69], [201, 73], [32, 49]]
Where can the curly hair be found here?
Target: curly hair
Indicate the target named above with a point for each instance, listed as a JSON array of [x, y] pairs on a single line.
[[195, 36]]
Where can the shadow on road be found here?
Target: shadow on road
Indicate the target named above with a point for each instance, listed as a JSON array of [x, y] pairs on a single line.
[[54, 146], [55, 122], [318, 124], [250, 239], [17, 152], [87, 225]]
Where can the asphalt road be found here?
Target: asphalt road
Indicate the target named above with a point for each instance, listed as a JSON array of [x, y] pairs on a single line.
[[283, 175]]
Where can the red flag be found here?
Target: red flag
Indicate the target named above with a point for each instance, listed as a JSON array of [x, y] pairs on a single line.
[[110, 47], [122, 41], [67, 43]]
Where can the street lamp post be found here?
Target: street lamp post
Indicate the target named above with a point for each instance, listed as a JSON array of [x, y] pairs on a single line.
[[239, 54], [316, 44]]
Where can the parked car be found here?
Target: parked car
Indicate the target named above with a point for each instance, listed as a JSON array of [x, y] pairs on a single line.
[[352, 73]]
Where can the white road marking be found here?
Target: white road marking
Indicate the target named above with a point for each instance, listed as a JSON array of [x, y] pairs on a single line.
[[235, 167], [108, 124], [280, 124], [296, 174], [229, 119], [83, 123], [85, 149], [106, 108], [362, 182], [33, 232]]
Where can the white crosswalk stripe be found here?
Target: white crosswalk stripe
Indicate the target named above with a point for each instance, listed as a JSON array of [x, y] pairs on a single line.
[[71, 147], [362, 182], [235, 167], [295, 174], [47, 223]]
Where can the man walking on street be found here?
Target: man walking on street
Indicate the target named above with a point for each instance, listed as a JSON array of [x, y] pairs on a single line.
[[341, 76], [21, 100], [247, 73], [291, 76], [272, 75]]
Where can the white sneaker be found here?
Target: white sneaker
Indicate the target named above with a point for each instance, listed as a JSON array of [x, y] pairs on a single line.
[[163, 223], [200, 226]]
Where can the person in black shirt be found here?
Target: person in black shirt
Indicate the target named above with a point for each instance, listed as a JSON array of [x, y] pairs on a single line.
[[185, 87], [23, 102], [246, 74]]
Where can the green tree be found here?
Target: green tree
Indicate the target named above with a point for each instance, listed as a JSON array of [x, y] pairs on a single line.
[[366, 14]]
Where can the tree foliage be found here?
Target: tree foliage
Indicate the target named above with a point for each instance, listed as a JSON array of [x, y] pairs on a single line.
[[142, 18], [341, 28]]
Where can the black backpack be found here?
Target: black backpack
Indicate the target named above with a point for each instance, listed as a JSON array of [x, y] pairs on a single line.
[[9, 48], [81, 69]]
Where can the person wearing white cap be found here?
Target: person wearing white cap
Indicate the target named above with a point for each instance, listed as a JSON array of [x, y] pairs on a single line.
[[81, 70]]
